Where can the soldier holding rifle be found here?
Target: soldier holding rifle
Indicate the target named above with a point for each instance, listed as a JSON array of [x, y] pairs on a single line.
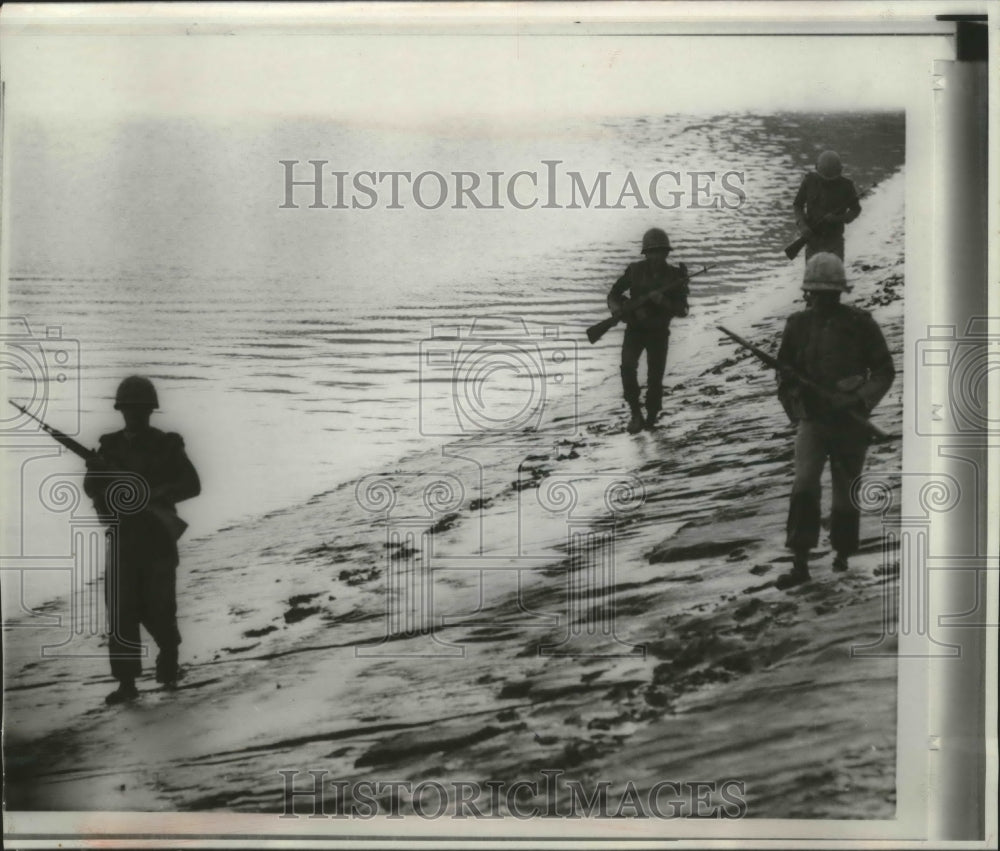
[[659, 292], [835, 367], [140, 578], [825, 202]]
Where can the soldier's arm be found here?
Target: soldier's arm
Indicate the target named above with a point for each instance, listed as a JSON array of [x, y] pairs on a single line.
[[616, 298], [849, 207], [96, 481], [854, 207], [787, 351], [788, 387], [679, 293], [93, 484], [881, 370], [183, 482], [99, 478]]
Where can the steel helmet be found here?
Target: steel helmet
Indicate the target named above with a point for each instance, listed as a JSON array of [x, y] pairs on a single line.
[[825, 271], [655, 238], [136, 390], [828, 165]]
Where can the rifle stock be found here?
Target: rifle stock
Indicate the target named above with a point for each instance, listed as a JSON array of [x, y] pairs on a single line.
[[169, 519], [599, 329], [793, 248], [876, 434]]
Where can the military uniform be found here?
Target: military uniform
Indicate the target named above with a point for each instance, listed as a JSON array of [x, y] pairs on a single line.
[[649, 329], [140, 576], [817, 197], [840, 348]]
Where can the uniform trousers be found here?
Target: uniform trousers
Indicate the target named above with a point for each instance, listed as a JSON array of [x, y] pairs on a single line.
[[140, 589], [654, 343], [845, 444]]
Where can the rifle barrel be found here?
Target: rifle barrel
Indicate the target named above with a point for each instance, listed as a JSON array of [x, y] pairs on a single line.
[[165, 515], [774, 363], [67, 441]]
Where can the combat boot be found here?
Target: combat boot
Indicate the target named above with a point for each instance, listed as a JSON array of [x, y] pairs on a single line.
[[637, 423], [171, 684], [840, 563], [651, 419], [125, 693], [798, 575], [167, 671]]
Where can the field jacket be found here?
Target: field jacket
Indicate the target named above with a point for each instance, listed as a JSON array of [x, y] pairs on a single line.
[[642, 278], [841, 349]]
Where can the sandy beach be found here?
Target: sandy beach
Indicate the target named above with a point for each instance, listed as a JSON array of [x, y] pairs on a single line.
[[588, 602]]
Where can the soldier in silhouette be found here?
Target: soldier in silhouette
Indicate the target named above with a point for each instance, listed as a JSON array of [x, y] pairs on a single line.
[[140, 576]]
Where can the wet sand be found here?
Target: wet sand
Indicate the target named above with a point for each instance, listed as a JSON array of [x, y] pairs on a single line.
[[690, 665]]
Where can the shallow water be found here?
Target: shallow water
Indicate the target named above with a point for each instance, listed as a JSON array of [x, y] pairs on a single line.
[[293, 622], [295, 349]]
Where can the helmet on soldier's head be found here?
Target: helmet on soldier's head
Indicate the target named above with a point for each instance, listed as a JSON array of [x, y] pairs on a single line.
[[655, 238], [136, 390], [828, 165], [825, 271]]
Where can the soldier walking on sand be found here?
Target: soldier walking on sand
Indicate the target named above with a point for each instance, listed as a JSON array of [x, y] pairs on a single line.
[[840, 348], [825, 202], [664, 291], [140, 575]]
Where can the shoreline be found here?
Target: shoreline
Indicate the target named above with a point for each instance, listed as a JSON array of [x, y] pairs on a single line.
[[693, 563]]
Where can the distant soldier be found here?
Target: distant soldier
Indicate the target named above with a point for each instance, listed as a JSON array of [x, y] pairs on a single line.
[[140, 579], [842, 349], [648, 325], [826, 201]]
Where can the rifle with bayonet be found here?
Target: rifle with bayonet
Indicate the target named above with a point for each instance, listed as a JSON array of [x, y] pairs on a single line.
[[171, 522], [876, 434], [599, 329], [793, 248]]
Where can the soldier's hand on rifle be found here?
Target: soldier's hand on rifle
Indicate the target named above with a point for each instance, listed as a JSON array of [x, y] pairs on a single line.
[[97, 464], [618, 306], [656, 298]]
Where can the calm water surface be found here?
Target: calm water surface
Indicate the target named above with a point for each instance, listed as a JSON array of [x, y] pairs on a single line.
[[295, 349]]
